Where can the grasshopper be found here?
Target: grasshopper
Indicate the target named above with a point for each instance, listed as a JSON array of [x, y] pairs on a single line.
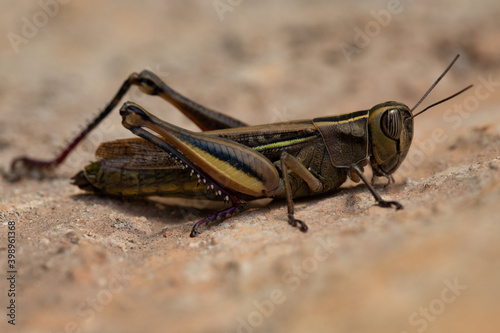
[[234, 162]]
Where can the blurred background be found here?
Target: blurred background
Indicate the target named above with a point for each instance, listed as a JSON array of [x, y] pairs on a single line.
[[261, 62]]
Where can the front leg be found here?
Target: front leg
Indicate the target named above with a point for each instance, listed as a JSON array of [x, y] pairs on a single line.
[[381, 202]]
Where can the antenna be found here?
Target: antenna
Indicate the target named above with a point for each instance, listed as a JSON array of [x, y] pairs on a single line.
[[436, 82], [432, 87], [443, 100]]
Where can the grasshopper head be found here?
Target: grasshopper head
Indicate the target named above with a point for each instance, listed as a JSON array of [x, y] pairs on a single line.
[[390, 126]]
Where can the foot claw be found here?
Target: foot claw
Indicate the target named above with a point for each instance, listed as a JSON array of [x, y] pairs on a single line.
[[303, 226], [297, 223], [25, 166], [389, 204]]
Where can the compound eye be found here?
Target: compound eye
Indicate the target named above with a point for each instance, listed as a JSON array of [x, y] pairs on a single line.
[[391, 123]]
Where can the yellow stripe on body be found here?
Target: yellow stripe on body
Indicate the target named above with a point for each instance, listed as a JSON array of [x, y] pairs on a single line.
[[230, 176], [281, 144], [344, 121]]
